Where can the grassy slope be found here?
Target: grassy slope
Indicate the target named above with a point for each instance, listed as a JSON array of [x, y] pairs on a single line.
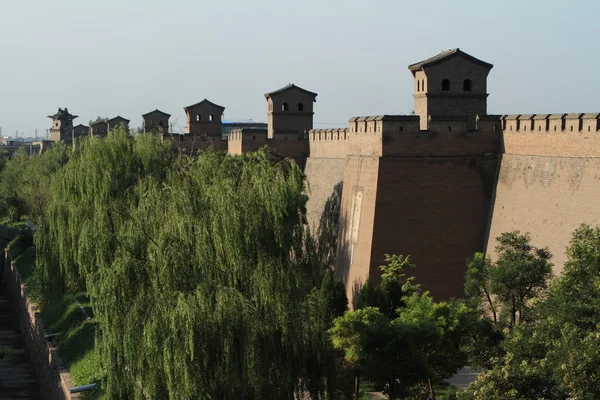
[[77, 332]]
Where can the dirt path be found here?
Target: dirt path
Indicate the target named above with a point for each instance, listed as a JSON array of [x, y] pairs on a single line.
[[17, 379]]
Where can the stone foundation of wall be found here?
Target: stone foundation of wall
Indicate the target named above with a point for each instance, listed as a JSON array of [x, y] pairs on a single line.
[[54, 379]]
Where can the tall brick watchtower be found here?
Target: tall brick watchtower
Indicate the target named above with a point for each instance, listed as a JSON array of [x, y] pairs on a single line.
[[450, 83], [290, 110], [62, 125]]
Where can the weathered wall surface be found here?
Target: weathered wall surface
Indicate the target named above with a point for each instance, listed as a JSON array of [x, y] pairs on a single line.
[[357, 221], [325, 182], [434, 209], [548, 184]]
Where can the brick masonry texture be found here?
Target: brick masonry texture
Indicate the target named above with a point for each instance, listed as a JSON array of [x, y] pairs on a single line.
[[548, 196], [437, 185], [54, 379]]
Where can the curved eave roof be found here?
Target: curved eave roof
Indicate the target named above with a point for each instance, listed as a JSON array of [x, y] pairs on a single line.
[[289, 87], [157, 111], [444, 55], [204, 101]]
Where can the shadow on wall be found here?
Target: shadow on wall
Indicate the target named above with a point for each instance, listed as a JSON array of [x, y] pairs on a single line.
[[327, 233]]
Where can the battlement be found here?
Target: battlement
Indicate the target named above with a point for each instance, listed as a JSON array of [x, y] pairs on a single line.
[[566, 135], [575, 122], [392, 135], [287, 143], [329, 143]]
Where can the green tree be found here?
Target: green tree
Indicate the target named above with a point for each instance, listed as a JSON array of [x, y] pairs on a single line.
[[555, 355], [395, 286], [417, 343], [508, 286], [197, 268]]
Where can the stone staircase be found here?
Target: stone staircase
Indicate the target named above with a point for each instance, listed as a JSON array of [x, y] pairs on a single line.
[[17, 379]]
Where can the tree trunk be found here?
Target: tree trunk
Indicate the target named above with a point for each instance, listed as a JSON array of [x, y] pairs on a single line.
[[431, 390], [489, 299], [514, 313], [357, 386]]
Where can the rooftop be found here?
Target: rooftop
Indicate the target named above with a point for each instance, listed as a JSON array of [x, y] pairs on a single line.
[[289, 87], [444, 55], [204, 101], [156, 111]]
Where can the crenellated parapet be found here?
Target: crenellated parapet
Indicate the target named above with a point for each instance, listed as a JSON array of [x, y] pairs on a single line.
[[328, 143], [290, 143], [575, 122], [566, 135], [400, 135]]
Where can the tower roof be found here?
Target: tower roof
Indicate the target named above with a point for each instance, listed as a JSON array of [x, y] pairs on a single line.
[[63, 114], [157, 111], [290, 87], [118, 118], [445, 55], [208, 102]]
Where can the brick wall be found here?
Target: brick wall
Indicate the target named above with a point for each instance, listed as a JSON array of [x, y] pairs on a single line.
[[324, 177], [434, 209], [357, 221], [548, 196], [53, 377]]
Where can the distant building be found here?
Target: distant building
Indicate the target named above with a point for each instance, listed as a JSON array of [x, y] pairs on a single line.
[[62, 126], [99, 128], [116, 121], [290, 109], [156, 121], [204, 118], [81, 130]]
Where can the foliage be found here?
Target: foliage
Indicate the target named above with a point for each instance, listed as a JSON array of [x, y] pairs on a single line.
[[25, 182], [555, 355], [5, 352], [418, 341], [395, 286], [507, 287], [98, 119], [199, 270]]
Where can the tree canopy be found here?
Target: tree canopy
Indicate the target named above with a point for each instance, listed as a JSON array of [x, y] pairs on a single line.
[[197, 268]]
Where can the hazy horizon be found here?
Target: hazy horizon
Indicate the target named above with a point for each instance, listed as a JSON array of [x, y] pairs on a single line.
[[132, 56]]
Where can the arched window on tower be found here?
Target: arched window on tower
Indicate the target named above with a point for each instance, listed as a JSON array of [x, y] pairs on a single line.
[[198, 117], [445, 85], [423, 85], [467, 85], [418, 86], [211, 117], [160, 123], [300, 107], [284, 107]]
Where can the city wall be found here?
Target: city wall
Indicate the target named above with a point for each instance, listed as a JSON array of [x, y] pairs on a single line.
[[289, 144], [426, 194], [549, 179]]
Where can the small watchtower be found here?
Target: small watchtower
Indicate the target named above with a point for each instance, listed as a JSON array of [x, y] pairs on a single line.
[[62, 125], [115, 122], [204, 118], [156, 121], [450, 83], [290, 110]]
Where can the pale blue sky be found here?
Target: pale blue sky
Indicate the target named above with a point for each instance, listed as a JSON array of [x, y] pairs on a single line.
[[129, 57]]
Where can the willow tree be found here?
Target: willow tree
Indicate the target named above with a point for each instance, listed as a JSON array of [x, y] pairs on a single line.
[[197, 268]]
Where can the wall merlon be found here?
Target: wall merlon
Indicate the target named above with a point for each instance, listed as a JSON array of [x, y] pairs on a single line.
[[489, 123], [572, 122], [328, 134], [591, 122], [526, 122]]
